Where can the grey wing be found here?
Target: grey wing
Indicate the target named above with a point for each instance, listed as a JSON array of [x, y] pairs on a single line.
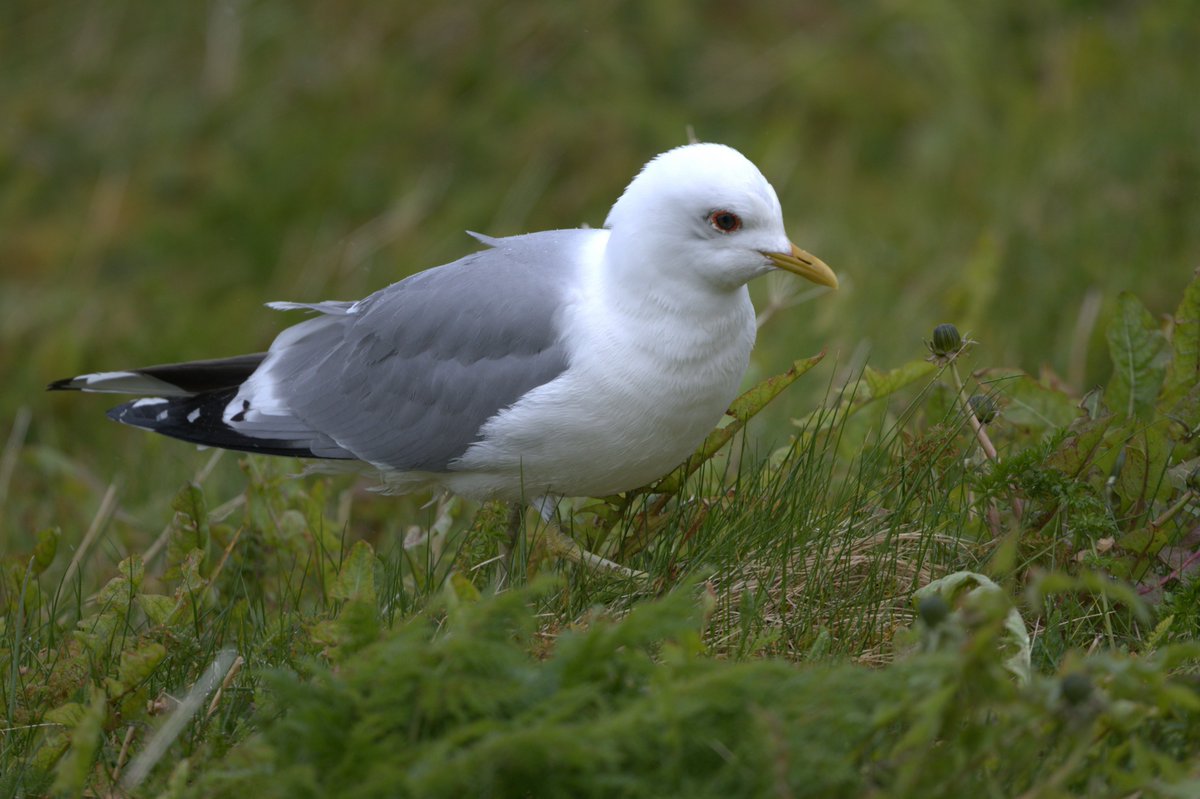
[[405, 378]]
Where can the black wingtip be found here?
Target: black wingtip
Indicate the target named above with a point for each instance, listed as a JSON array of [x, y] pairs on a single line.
[[198, 420], [61, 385]]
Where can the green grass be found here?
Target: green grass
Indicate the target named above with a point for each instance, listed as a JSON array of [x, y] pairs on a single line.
[[776, 642], [1010, 166]]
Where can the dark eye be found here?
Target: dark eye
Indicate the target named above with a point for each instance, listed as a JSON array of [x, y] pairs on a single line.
[[725, 221]]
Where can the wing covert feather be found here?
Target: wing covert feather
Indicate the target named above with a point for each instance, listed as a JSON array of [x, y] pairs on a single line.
[[406, 378]]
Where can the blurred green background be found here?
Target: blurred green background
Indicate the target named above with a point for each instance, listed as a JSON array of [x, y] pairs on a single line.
[[166, 168]]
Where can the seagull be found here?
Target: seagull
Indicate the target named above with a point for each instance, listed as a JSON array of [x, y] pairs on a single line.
[[556, 364]]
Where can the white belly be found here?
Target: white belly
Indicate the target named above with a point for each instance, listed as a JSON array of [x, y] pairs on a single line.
[[641, 393]]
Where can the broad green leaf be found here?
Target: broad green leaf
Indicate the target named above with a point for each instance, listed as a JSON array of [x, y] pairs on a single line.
[[356, 625], [1184, 416], [874, 385], [189, 503], [1028, 403], [464, 590], [1143, 474], [112, 686], [1184, 373], [1078, 449], [882, 384], [158, 608], [49, 752], [138, 664], [755, 399], [191, 523], [290, 531], [324, 633], [189, 591], [1143, 544], [45, 549], [67, 715], [1139, 355], [120, 590], [72, 770], [356, 578], [962, 590]]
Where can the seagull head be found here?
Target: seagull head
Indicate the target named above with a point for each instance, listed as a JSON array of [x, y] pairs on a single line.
[[705, 212]]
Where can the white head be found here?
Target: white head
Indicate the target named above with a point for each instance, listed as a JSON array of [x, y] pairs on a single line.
[[705, 211]]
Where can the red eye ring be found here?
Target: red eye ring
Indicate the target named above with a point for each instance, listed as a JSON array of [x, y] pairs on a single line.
[[724, 221]]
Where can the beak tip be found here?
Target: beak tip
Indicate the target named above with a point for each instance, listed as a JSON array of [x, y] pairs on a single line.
[[805, 265]]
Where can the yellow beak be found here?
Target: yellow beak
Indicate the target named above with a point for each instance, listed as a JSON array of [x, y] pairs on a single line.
[[798, 262]]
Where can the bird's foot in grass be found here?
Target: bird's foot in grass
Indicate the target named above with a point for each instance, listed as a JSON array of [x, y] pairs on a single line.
[[554, 542], [563, 546]]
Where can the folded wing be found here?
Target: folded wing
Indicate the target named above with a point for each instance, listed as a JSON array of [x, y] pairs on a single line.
[[403, 379]]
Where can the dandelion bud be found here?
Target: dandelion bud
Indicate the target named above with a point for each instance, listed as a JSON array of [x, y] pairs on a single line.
[[1076, 688], [946, 340], [933, 610], [984, 408]]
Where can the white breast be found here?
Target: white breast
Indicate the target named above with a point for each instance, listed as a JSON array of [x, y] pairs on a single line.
[[646, 384]]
